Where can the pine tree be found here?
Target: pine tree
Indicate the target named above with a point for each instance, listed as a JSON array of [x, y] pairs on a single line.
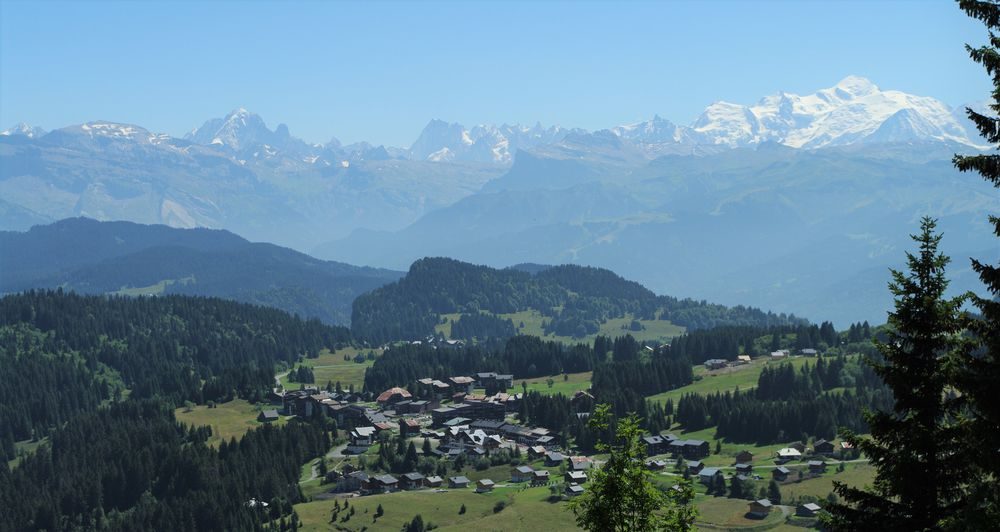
[[979, 374], [917, 482]]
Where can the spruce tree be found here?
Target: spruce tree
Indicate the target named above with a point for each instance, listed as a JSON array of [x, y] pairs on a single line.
[[980, 372], [917, 481]]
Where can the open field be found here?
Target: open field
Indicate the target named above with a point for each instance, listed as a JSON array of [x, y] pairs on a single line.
[[727, 379], [573, 382], [728, 514], [527, 509], [331, 366], [658, 330], [228, 420], [153, 289], [854, 474]]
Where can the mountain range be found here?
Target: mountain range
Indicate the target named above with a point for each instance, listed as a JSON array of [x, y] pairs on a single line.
[[94, 257], [788, 204]]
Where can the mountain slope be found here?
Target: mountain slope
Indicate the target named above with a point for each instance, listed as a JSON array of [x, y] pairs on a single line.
[[108, 257], [574, 301]]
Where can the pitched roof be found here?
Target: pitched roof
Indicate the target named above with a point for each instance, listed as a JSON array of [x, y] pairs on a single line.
[[386, 395], [766, 503]]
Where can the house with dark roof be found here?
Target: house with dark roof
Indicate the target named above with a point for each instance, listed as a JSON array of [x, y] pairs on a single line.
[[522, 474], [707, 475], [553, 459], [408, 427], [823, 447], [695, 466], [462, 384], [385, 484], [411, 481], [354, 481], [744, 457], [760, 508], [654, 444], [744, 469], [817, 466], [268, 416], [540, 477], [656, 465], [484, 485], [809, 509], [780, 473], [715, 363], [458, 482]]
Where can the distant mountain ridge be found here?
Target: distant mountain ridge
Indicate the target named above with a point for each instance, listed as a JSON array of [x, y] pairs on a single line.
[[122, 257]]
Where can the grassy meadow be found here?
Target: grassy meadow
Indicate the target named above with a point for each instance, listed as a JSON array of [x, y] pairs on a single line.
[[331, 366], [228, 420]]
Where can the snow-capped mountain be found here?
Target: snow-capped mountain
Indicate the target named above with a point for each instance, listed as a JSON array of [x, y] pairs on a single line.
[[23, 130], [854, 110], [244, 132], [443, 141]]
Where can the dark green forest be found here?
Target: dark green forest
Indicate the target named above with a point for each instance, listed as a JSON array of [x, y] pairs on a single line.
[[64, 353]]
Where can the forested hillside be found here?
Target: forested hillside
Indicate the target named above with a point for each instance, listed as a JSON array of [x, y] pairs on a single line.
[[96, 379], [121, 257], [64, 353], [573, 300]]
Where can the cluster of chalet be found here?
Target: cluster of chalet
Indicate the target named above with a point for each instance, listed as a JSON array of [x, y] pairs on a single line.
[[476, 438], [668, 443], [344, 407], [781, 354], [719, 363], [468, 407], [462, 385]]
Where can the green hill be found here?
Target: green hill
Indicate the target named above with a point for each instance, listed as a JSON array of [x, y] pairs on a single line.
[[567, 301]]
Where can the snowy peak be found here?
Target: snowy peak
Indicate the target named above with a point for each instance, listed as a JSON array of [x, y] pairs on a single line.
[[855, 110], [244, 132], [443, 141], [23, 130]]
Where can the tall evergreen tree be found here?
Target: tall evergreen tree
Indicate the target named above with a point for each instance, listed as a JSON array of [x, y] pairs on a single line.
[[917, 481], [980, 371]]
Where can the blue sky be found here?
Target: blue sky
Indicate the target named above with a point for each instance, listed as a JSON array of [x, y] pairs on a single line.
[[379, 71]]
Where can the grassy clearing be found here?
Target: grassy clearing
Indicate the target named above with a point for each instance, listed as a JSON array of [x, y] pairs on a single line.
[[24, 448], [228, 420], [527, 509], [659, 330], [566, 385], [727, 379], [331, 366], [721, 512], [153, 289], [854, 474]]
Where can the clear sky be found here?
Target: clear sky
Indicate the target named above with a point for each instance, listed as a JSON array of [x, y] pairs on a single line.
[[379, 71]]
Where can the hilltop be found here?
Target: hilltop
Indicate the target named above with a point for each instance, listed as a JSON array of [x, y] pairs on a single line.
[[562, 301]]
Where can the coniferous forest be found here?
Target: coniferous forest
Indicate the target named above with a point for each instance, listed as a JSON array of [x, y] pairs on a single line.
[[112, 463]]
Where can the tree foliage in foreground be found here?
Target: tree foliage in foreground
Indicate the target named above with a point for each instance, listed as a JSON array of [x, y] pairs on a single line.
[[919, 479], [980, 370], [621, 496]]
